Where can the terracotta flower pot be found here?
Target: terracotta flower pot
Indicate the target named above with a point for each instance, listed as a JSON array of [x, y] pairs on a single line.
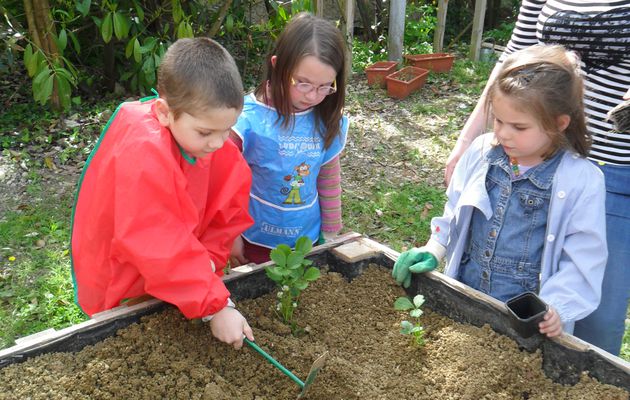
[[438, 62], [377, 72], [402, 83]]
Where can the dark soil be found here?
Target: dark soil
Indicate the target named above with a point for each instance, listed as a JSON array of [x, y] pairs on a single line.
[[168, 357], [406, 76]]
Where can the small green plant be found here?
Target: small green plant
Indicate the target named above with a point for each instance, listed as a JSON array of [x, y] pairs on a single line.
[[292, 273], [413, 329]]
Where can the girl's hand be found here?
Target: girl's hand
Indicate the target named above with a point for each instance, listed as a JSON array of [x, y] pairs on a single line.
[[237, 256], [328, 236], [552, 325]]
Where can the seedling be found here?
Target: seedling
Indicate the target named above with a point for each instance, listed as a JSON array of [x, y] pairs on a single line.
[[292, 273], [413, 329]]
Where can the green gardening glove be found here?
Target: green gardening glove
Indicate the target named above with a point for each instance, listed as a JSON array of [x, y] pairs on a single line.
[[416, 260]]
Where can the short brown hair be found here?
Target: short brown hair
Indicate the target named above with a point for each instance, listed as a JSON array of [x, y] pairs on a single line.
[[199, 74], [546, 82], [307, 35]]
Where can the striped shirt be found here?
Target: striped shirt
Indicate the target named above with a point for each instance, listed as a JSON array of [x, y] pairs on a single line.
[[599, 32]]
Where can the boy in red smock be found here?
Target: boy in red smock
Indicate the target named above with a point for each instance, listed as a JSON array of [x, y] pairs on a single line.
[[163, 195]]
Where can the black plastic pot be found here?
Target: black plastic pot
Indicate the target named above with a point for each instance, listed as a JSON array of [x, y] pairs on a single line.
[[526, 310]]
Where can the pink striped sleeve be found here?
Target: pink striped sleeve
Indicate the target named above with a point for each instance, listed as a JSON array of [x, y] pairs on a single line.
[[329, 190]]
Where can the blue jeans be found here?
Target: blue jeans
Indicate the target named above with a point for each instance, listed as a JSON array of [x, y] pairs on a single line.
[[605, 326]]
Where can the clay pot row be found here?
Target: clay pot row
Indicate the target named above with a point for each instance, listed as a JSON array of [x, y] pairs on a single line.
[[402, 83]]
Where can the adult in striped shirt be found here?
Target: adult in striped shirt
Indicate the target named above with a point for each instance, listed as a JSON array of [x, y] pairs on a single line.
[[599, 32]]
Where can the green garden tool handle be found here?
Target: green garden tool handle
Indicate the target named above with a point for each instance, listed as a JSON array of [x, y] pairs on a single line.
[[274, 362]]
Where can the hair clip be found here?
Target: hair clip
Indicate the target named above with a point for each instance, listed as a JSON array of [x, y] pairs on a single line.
[[525, 74]]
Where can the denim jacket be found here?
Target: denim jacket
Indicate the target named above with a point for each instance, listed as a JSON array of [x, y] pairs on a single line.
[[575, 252]]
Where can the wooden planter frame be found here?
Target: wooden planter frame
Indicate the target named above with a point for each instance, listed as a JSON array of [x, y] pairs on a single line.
[[564, 358]]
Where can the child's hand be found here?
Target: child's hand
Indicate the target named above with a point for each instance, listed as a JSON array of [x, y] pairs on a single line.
[[551, 326], [416, 260], [229, 326], [325, 237], [237, 256]]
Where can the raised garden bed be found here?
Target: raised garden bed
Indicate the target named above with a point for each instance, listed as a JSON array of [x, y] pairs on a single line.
[[166, 356]]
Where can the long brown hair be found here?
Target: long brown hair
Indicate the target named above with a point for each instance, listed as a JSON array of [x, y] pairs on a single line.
[[307, 35], [545, 81]]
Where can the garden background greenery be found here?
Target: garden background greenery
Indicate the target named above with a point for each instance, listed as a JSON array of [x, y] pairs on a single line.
[[66, 64]]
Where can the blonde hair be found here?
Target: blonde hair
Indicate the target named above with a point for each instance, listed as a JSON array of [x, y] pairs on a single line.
[[546, 82], [199, 74]]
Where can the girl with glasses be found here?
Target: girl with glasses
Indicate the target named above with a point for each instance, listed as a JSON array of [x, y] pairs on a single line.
[[291, 133]]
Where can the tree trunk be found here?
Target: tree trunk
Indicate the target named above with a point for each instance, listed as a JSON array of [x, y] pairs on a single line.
[[492, 14], [220, 17], [367, 18], [41, 27], [109, 66], [379, 13], [32, 26], [396, 32]]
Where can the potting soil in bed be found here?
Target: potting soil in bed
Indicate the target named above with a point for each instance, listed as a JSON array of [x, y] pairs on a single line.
[[168, 357]]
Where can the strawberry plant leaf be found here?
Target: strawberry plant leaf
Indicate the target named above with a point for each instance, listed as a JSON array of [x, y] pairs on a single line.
[[301, 284], [403, 304], [416, 313], [303, 245], [273, 274], [418, 300], [279, 257], [295, 260], [406, 327], [285, 249], [312, 274]]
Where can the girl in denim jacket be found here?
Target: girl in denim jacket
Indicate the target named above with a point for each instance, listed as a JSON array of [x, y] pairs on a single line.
[[525, 209]]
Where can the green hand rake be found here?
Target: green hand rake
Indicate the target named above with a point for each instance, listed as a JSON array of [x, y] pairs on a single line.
[[304, 385]]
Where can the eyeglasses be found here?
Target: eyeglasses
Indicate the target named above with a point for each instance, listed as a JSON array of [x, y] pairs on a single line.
[[305, 87]]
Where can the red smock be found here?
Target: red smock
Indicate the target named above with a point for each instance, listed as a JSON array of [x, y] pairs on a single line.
[[149, 219]]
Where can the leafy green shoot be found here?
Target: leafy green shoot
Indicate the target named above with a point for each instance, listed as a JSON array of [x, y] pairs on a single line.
[[292, 273], [412, 328]]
